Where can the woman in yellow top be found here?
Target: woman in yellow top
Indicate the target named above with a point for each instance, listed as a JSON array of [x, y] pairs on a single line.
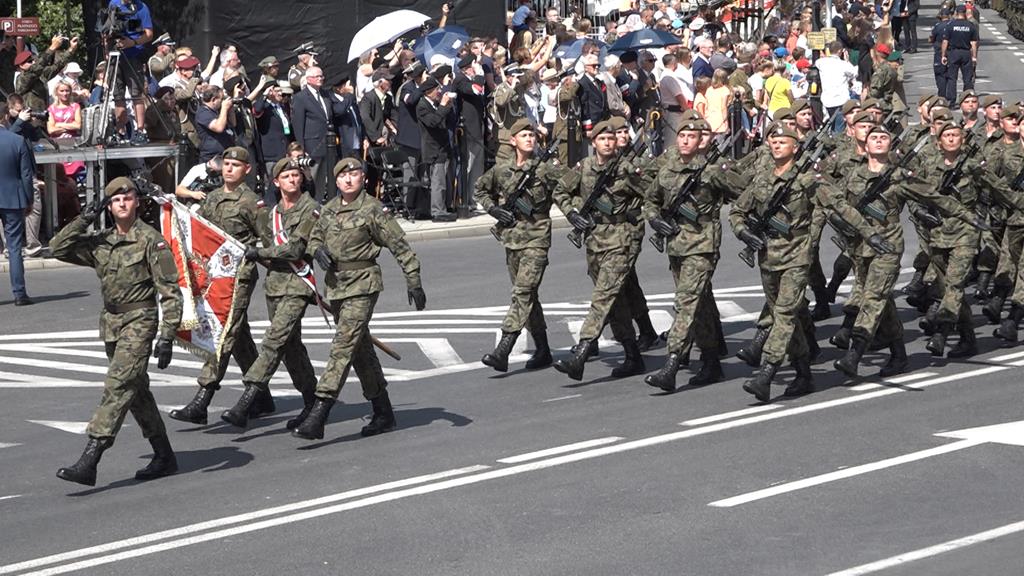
[[777, 91], [719, 97]]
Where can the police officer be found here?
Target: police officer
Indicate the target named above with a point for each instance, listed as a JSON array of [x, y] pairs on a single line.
[[345, 242], [959, 52], [234, 208], [939, 66], [524, 229], [135, 268], [290, 287]]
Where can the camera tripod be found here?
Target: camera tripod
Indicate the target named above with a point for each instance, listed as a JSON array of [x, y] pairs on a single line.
[[105, 131]]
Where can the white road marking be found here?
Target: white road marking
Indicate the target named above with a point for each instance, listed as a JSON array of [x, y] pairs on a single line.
[[930, 551], [438, 350], [729, 309], [559, 450], [602, 343], [52, 365], [730, 415], [1018, 53], [11, 497], [897, 380], [843, 474], [213, 412], [72, 427], [8, 445], [569, 397]]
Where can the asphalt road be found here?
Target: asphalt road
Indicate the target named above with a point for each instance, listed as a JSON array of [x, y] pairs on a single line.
[[525, 473]]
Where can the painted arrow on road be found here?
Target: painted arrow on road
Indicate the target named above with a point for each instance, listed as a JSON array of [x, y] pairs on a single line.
[[1011, 433]]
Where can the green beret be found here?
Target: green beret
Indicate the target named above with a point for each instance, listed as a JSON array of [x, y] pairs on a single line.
[[690, 114], [618, 123], [268, 62], [237, 153], [870, 103], [927, 98], [282, 165], [780, 131], [799, 105], [941, 115], [602, 127], [783, 113], [347, 165], [1011, 111], [520, 125], [118, 185], [965, 95], [938, 102], [703, 125], [690, 125], [850, 106], [990, 100], [879, 129], [863, 116], [951, 125]]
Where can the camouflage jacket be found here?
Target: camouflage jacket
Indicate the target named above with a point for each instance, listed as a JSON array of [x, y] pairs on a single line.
[[1007, 162], [297, 224], [237, 214], [614, 211], [883, 84], [717, 185], [533, 215], [31, 84], [905, 186], [781, 252], [353, 235], [135, 267]]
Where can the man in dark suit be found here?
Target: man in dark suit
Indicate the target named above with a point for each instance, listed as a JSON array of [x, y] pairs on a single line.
[[432, 113], [312, 118], [17, 168], [275, 127], [593, 102], [469, 85], [377, 112], [346, 118], [408, 137]]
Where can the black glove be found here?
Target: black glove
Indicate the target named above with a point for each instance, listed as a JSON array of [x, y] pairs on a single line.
[[91, 213], [927, 218], [162, 352], [252, 254], [752, 240], [323, 259], [663, 227], [578, 221], [979, 223], [504, 217], [418, 297], [879, 244]]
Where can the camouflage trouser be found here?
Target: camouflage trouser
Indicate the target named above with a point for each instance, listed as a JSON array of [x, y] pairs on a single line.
[[351, 347], [875, 277], [632, 291], [236, 342], [952, 266], [694, 303], [283, 341], [126, 388], [526, 269], [991, 240], [1008, 275], [609, 270], [784, 292], [922, 260]]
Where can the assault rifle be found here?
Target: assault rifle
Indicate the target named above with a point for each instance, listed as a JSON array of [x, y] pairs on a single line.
[[767, 224], [812, 142], [607, 178], [683, 202], [951, 177], [1017, 185], [518, 202]]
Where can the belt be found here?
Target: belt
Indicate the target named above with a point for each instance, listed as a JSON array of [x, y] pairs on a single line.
[[673, 108], [129, 307], [356, 265], [629, 217]]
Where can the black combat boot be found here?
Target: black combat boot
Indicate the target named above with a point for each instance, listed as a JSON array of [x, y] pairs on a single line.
[[84, 471], [1008, 329], [263, 405], [383, 419], [821, 309], [841, 339], [308, 397], [573, 367], [813, 349], [751, 353], [238, 415], [542, 352], [195, 410], [723, 347], [848, 363], [803, 382], [163, 463], [927, 323], [840, 270], [937, 344], [898, 361], [499, 358], [646, 338], [968, 344], [761, 384], [710, 370], [684, 356], [915, 285], [666, 377], [594, 351], [633, 363], [982, 286], [993, 309], [312, 427]]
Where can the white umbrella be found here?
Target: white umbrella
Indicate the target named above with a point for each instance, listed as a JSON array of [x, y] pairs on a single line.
[[384, 29]]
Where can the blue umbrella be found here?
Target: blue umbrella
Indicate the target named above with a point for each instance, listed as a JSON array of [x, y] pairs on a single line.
[[571, 51], [644, 39], [444, 41]]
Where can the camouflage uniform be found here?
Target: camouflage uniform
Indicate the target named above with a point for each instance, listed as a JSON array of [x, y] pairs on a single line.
[[134, 271], [31, 84], [884, 82], [991, 240], [287, 298], [353, 235], [1008, 279]]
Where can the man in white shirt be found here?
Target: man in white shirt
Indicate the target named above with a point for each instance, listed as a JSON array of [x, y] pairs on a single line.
[[673, 102], [836, 76]]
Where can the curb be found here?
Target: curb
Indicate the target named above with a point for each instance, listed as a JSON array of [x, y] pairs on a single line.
[[37, 264]]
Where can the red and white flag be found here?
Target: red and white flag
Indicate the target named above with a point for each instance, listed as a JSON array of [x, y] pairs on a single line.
[[208, 261]]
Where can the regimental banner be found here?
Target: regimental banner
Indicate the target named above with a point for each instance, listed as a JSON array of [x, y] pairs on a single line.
[[208, 261]]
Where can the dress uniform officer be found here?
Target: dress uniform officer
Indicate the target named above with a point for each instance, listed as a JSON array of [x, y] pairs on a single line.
[[345, 242], [135, 268], [959, 52], [235, 209], [290, 287]]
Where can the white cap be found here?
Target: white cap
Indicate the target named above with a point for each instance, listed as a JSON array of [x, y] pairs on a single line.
[[73, 68], [696, 24]]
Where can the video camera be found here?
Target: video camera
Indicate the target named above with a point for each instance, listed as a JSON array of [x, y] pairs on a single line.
[[42, 115], [115, 23], [208, 184]]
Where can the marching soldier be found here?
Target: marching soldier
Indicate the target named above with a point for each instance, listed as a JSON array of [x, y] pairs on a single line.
[[135, 268], [234, 208], [1011, 165], [345, 242], [693, 230], [803, 119], [290, 287], [988, 254], [1006, 165], [524, 229], [596, 198]]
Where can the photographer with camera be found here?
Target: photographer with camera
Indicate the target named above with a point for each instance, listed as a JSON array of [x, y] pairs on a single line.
[[200, 180], [18, 118], [31, 83], [130, 27], [214, 122]]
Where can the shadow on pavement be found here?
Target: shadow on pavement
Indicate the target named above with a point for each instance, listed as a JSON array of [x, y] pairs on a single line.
[[53, 297], [406, 419], [210, 460]]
